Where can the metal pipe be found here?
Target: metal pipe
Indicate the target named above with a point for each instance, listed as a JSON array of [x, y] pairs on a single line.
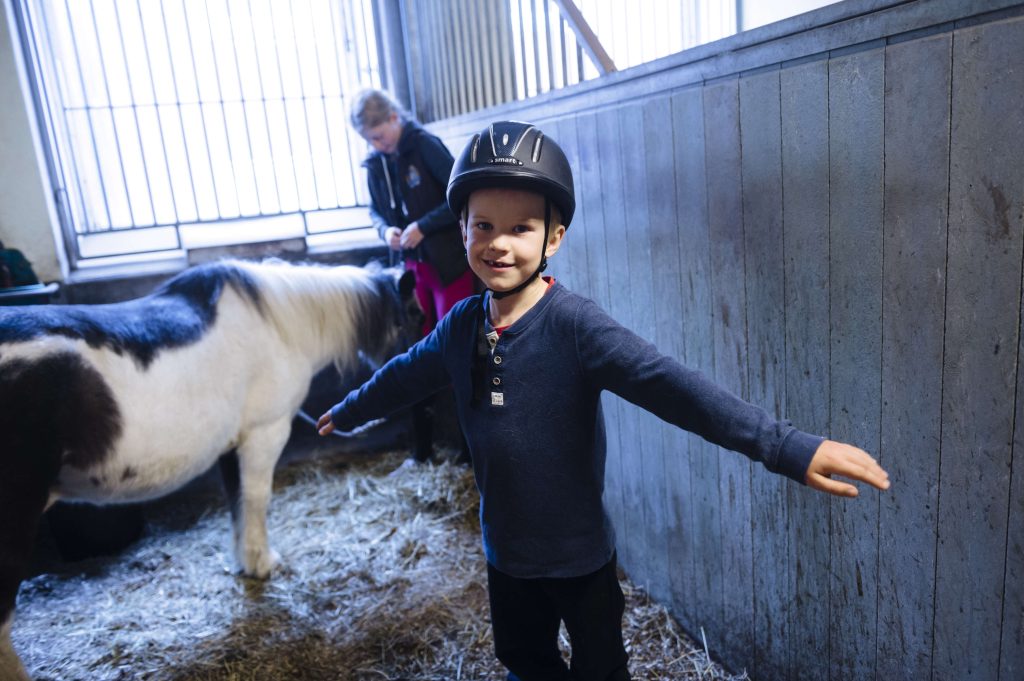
[[305, 112], [88, 116], [547, 40], [348, 132], [202, 117], [287, 120], [135, 113], [245, 113], [156, 111], [58, 167]]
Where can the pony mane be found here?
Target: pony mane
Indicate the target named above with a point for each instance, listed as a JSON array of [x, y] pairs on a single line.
[[203, 285], [325, 309]]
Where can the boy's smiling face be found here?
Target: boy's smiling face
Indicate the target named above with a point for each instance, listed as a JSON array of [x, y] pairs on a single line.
[[504, 235]]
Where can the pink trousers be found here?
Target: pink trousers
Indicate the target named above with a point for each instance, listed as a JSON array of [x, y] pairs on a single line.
[[434, 297]]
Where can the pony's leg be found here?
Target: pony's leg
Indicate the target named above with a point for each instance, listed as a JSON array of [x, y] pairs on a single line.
[[228, 464], [423, 430], [10, 666], [257, 455], [22, 499]]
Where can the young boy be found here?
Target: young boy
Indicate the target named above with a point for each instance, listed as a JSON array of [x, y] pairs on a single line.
[[528, 361]]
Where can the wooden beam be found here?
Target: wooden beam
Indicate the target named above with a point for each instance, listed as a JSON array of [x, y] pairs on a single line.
[[585, 36]]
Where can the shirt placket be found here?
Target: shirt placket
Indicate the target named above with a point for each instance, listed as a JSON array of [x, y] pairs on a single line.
[[497, 378]]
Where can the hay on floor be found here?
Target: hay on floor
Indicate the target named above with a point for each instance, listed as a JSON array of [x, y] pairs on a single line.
[[382, 578]]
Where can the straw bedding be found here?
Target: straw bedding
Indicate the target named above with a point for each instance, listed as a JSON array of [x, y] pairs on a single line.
[[382, 578]]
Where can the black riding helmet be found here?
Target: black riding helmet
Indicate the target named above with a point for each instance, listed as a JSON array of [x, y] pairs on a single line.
[[514, 155]]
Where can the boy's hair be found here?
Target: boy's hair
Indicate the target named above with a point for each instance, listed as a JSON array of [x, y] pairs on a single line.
[[372, 107]]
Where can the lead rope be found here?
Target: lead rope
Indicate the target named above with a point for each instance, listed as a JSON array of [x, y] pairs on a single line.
[[392, 256]]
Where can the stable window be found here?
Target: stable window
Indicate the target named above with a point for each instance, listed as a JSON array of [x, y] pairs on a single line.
[[175, 124]]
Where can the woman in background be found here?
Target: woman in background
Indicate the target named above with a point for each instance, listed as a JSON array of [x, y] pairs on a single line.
[[407, 174]]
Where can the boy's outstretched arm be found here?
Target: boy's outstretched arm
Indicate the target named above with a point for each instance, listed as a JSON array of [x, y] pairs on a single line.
[[405, 380], [835, 458]]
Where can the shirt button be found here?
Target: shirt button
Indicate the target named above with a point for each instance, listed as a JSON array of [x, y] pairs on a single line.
[[497, 359], [496, 380]]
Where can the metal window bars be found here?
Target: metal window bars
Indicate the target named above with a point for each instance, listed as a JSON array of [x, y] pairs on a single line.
[[174, 123], [166, 116]]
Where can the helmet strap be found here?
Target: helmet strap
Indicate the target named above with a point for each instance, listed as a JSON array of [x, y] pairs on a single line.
[[498, 295]]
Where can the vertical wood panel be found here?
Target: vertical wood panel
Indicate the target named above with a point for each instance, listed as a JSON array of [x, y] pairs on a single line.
[[589, 178], [761, 131], [644, 454], [805, 248], [621, 417], [564, 265], [1011, 648], [725, 222], [672, 236], [1011, 645], [914, 280], [984, 263], [661, 462], [575, 239], [855, 289], [588, 203], [703, 583]]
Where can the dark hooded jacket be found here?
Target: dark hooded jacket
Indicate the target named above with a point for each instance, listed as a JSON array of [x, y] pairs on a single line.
[[409, 186]]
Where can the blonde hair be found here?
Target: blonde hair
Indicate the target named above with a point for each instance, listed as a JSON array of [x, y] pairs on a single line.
[[372, 107]]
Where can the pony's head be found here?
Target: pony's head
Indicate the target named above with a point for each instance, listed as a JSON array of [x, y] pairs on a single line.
[[399, 323]]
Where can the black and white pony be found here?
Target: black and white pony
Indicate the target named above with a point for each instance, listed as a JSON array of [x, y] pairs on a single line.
[[129, 401]]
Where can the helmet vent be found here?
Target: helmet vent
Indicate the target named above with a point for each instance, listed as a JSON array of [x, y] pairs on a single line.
[[503, 144], [476, 144], [513, 155]]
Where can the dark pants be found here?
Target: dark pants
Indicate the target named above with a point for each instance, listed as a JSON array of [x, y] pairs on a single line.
[[525, 615]]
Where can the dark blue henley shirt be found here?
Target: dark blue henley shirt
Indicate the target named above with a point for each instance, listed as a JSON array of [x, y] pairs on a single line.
[[537, 437]]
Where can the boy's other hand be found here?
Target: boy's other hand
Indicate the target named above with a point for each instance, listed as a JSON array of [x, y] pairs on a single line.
[[835, 458], [324, 425]]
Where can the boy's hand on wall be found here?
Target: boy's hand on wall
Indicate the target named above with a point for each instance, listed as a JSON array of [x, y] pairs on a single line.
[[836, 458]]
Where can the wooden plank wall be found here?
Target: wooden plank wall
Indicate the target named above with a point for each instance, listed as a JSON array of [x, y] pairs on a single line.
[[839, 238]]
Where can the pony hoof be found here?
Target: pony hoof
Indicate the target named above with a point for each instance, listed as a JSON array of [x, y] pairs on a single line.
[[261, 564]]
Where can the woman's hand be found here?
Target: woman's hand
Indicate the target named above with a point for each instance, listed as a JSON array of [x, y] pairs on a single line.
[[412, 236], [393, 237]]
